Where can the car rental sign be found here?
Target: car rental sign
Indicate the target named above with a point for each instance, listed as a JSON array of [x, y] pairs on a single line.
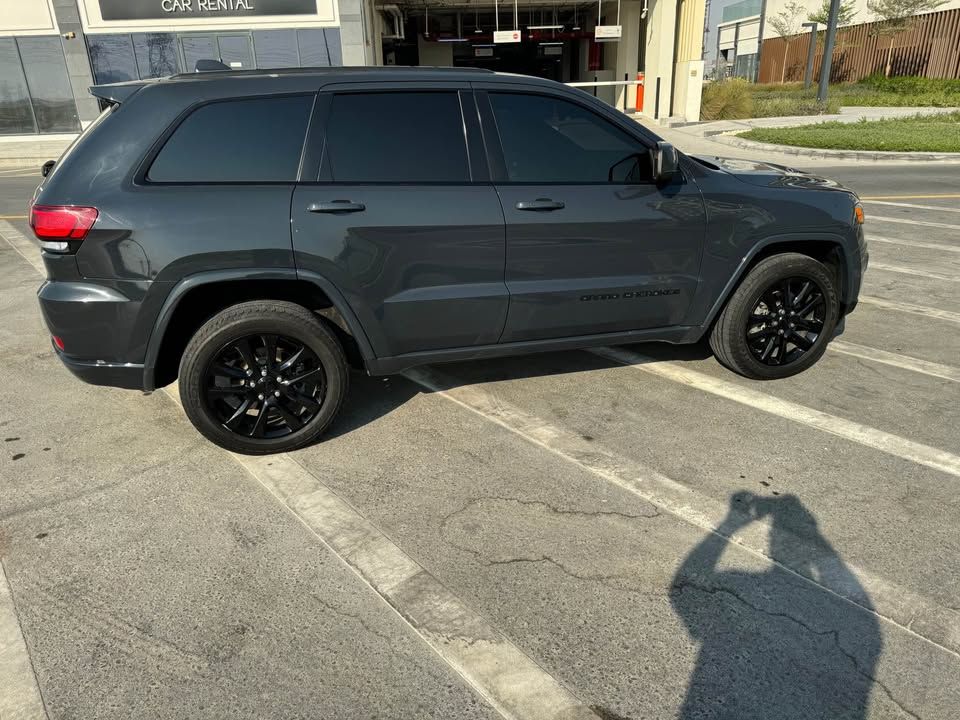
[[153, 9]]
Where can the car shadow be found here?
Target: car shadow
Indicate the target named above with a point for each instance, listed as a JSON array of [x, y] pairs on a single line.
[[370, 398], [773, 645]]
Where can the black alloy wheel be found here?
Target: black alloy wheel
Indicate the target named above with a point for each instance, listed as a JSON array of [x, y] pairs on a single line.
[[786, 321], [263, 376], [780, 318], [264, 386]]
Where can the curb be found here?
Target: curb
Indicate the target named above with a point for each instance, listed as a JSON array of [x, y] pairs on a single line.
[[823, 153]]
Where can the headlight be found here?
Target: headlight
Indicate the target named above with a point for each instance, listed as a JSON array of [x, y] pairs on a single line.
[[858, 213]]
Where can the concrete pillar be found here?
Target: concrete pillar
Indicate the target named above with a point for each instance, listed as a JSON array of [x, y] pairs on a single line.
[[628, 50], [688, 81], [680, 82], [661, 25], [356, 28], [78, 62]]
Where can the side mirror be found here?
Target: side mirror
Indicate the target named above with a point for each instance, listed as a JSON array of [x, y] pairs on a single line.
[[47, 167], [666, 162]]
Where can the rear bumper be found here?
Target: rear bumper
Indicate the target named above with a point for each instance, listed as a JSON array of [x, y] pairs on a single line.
[[93, 321], [126, 375]]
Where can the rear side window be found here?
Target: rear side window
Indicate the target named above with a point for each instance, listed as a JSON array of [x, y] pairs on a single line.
[[257, 140], [396, 137]]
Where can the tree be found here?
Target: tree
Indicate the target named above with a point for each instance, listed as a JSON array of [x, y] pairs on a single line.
[[897, 16], [786, 24], [848, 10]]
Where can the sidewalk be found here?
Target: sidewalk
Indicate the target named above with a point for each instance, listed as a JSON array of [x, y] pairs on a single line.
[[18, 151]]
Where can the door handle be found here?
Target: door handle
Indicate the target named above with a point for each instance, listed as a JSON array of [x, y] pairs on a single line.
[[336, 206], [540, 204]]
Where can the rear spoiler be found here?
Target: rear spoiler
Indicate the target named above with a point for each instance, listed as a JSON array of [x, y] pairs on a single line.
[[116, 93]]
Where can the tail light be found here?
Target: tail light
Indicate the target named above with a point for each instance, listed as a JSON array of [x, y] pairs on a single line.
[[56, 225]]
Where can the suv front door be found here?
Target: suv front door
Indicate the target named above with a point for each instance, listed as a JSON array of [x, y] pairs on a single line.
[[593, 244], [402, 216]]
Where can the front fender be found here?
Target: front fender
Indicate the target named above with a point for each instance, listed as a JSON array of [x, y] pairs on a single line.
[[791, 242]]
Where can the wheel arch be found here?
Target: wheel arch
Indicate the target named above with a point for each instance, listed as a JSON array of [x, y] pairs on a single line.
[[196, 298], [824, 247]]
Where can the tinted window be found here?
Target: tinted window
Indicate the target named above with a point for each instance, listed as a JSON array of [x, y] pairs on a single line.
[[112, 58], [157, 54], [547, 140], [16, 115], [276, 48], [236, 141], [396, 137], [319, 48], [50, 91]]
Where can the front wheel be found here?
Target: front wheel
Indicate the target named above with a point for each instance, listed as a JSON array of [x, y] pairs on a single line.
[[780, 319], [263, 377]]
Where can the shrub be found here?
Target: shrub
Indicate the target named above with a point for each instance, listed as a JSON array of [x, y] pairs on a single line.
[[912, 85], [726, 100]]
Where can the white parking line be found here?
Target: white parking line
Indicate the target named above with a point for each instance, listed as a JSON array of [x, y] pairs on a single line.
[[914, 243], [496, 668], [901, 361], [929, 312], [893, 603], [908, 221], [865, 435], [913, 271], [515, 685], [20, 695], [910, 205]]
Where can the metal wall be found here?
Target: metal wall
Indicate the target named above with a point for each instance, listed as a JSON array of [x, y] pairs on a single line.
[[930, 48]]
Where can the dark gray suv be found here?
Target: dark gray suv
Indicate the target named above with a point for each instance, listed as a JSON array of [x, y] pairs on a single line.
[[254, 233]]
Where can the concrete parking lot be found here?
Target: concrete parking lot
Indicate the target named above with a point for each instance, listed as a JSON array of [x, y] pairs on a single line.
[[632, 532]]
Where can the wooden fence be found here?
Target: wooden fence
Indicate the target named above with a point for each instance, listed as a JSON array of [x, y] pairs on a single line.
[[931, 48]]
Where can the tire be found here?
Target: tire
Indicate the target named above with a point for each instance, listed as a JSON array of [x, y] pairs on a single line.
[[225, 389], [765, 306]]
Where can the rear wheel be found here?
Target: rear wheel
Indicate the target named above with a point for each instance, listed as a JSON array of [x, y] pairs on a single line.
[[778, 322], [263, 377]]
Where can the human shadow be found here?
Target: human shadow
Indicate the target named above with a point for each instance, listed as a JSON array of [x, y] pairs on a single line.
[[773, 645]]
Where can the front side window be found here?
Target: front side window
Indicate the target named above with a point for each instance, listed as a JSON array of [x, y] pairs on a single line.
[[547, 140], [258, 140], [408, 137]]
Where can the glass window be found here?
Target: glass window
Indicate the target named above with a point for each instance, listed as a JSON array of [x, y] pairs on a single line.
[[198, 47], [112, 58], [50, 90], [319, 48], [422, 142], [236, 51], [157, 54], [256, 140], [16, 116], [276, 48], [547, 140]]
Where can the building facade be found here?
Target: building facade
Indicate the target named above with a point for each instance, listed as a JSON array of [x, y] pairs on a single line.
[[51, 51]]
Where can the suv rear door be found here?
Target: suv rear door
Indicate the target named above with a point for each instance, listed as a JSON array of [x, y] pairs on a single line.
[[593, 245], [400, 215]]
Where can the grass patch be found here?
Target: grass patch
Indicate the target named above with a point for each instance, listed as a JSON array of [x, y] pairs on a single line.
[[737, 99], [939, 133]]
